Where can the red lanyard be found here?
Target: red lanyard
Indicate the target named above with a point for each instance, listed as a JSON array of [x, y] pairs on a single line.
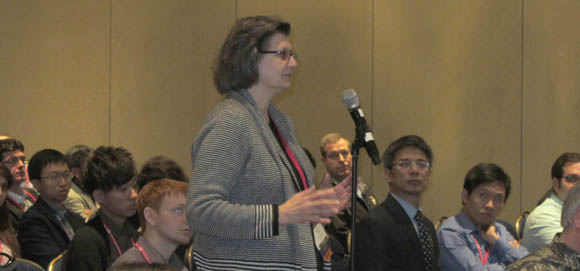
[[144, 253], [30, 195], [114, 239], [292, 157], [482, 257]]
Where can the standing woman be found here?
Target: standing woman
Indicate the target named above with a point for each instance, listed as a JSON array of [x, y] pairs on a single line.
[[8, 243], [252, 201]]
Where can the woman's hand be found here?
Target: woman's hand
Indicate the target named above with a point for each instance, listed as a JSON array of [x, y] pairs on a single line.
[[316, 206]]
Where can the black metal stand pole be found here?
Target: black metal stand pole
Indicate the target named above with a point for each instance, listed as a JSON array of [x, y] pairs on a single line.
[[356, 145]]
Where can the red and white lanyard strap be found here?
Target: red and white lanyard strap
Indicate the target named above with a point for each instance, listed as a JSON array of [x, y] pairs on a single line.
[[117, 247], [15, 203], [482, 257], [144, 253], [30, 195]]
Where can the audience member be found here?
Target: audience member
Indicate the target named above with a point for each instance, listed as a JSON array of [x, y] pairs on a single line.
[[544, 221], [156, 168], [472, 240], [110, 180], [47, 227], [78, 200], [160, 167], [563, 253], [161, 208], [8, 243], [252, 200], [396, 235], [337, 160], [19, 199]]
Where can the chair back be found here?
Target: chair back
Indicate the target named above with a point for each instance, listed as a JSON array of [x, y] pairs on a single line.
[[57, 262], [440, 221], [520, 224], [20, 264]]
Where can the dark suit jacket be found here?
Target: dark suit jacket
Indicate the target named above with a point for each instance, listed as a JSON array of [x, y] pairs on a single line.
[[90, 249], [41, 236], [387, 240]]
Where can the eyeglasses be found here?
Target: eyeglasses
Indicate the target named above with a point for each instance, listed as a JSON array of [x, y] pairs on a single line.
[[406, 163], [14, 160], [56, 176], [336, 155], [572, 178], [284, 54]]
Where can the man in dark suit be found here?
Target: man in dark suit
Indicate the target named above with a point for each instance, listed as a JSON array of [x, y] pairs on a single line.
[[47, 227], [396, 235]]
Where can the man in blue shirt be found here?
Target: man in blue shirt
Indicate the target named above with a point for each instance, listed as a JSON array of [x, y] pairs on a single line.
[[472, 240]]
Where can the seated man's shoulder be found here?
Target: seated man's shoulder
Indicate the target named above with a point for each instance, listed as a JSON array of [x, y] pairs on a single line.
[[88, 235], [533, 262], [132, 255]]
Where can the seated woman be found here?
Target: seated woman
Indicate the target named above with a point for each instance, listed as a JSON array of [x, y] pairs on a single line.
[[8, 243]]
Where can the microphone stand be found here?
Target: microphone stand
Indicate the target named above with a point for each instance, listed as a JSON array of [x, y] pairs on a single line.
[[355, 150]]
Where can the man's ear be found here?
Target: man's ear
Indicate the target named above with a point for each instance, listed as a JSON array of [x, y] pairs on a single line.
[[150, 216], [464, 196], [99, 196], [388, 174], [555, 184]]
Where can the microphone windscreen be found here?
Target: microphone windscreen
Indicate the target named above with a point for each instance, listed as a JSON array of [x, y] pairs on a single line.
[[349, 98]]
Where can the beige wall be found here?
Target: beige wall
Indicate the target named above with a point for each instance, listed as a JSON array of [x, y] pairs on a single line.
[[494, 81]]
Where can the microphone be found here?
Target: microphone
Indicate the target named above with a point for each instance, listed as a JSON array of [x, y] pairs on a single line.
[[350, 100]]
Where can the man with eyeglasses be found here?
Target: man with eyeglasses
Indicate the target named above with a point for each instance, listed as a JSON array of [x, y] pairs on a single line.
[[544, 221], [396, 235], [336, 158], [47, 228], [19, 199]]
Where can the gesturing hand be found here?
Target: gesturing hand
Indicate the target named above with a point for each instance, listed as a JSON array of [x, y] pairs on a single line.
[[313, 205]]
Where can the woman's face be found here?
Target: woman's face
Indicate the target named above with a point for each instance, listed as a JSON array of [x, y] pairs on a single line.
[[3, 190], [276, 72]]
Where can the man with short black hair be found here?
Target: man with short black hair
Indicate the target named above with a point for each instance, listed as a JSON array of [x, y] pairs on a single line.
[[47, 227], [396, 235], [110, 179], [472, 240], [161, 208], [544, 221], [19, 199]]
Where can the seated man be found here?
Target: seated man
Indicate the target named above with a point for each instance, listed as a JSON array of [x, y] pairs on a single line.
[[19, 199], [161, 208], [472, 240], [337, 161], [47, 227], [78, 201], [544, 221], [396, 235], [564, 250], [110, 180]]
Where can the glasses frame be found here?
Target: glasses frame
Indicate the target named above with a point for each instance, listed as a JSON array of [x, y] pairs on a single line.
[[284, 54], [57, 176], [426, 165]]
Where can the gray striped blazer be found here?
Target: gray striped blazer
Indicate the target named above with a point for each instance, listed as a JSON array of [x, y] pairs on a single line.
[[240, 176]]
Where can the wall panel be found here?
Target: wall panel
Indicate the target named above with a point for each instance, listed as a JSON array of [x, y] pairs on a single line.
[[54, 73], [161, 73], [551, 81], [450, 72]]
